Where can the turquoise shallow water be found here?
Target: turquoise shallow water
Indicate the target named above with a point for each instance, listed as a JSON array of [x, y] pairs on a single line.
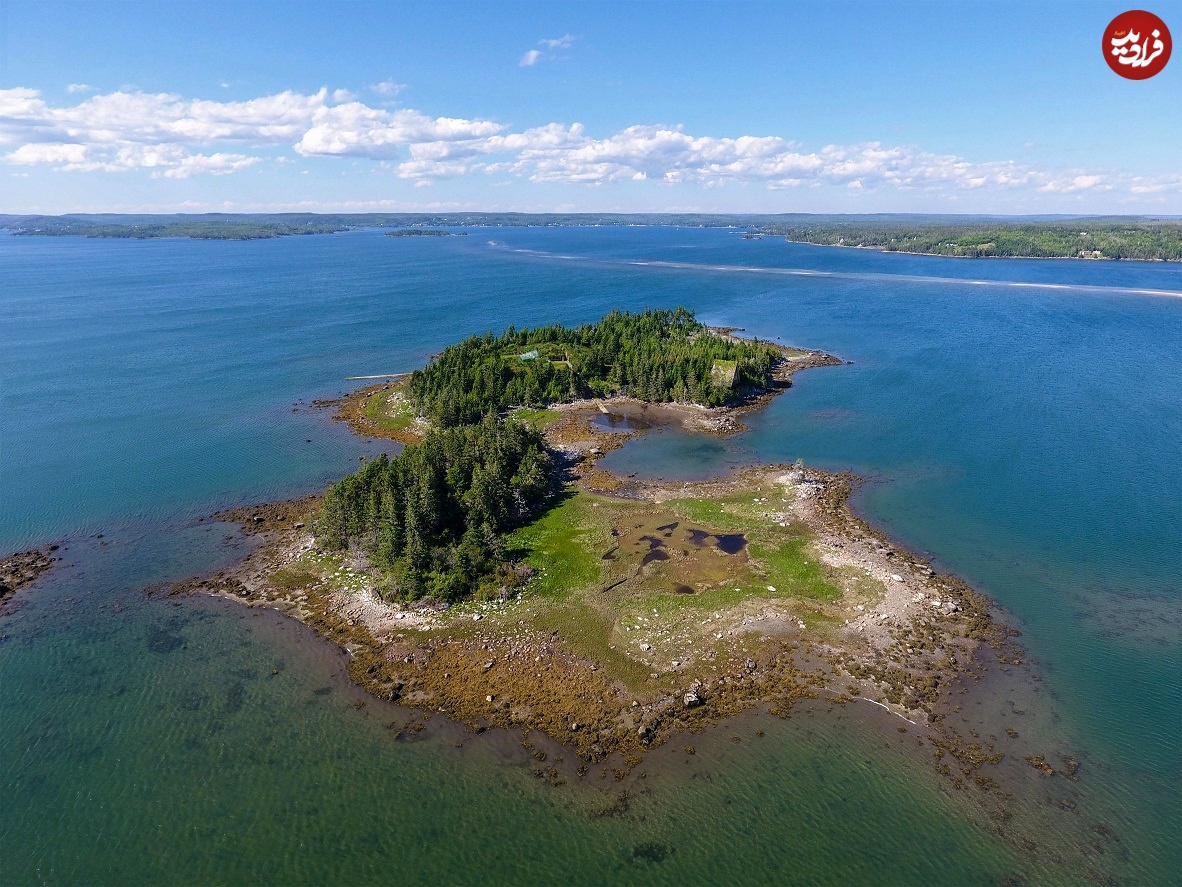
[[1028, 437]]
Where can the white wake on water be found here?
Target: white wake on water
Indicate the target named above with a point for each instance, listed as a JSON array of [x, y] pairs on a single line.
[[850, 275]]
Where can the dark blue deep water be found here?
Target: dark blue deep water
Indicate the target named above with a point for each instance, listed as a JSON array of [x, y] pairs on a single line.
[[1018, 421]]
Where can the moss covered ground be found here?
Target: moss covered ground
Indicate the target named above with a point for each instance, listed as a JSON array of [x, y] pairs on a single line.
[[389, 411]]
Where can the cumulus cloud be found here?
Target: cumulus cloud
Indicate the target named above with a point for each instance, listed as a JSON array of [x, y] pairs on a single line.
[[161, 133], [129, 130], [219, 164], [161, 160], [79, 87], [173, 137], [530, 58], [1075, 183], [388, 88], [355, 129], [568, 154], [160, 118], [36, 153]]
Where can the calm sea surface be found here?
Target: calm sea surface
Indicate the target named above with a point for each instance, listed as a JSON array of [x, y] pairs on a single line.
[[1018, 421]]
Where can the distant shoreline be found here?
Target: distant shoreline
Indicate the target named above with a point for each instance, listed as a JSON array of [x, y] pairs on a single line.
[[1116, 238], [907, 252]]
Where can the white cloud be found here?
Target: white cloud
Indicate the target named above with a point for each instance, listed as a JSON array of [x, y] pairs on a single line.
[[533, 56], [563, 42], [214, 164], [170, 136], [155, 118], [122, 131], [79, 87], [162, 160], [1076, 183], [1143, 185], [388, 88], [36, 153], [355, 129]]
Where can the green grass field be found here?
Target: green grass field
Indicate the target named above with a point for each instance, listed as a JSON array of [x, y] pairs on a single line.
[[650, 591], [389, 411], [539, 419]]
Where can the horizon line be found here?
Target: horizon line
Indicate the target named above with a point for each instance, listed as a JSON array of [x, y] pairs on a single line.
[[605, 214]]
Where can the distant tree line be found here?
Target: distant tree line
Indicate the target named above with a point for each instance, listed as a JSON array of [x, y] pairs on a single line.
[[1115, 237], [194, 230], [656, 356], [1142, 240]]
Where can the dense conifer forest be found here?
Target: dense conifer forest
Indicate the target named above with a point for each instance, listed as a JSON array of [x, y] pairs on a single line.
[[655, 356], [435, 515]]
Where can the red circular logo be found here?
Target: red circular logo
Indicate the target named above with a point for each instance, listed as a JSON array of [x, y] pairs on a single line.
[[1137, 44]]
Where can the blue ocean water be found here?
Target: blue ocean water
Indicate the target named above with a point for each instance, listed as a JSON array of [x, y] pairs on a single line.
[[1019, 421]]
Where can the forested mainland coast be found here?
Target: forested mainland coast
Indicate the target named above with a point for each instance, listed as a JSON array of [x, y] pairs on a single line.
[[1136, 240], [1079, 237], [493, 572]]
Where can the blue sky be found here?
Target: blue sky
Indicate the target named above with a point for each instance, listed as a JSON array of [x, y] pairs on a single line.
[[659, 106]]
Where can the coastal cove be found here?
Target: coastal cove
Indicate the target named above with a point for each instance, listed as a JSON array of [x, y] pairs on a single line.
[[925, 413]]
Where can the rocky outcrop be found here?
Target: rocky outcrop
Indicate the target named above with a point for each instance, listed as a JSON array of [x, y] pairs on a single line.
[[24, 567]]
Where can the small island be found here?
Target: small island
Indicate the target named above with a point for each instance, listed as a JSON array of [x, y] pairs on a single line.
[[421, 232], [493, 572]]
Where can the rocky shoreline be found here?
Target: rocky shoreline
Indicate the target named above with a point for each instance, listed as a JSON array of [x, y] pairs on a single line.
[[903, 637], [23, 568], [900, 652], [361, 410], [903, 650]]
